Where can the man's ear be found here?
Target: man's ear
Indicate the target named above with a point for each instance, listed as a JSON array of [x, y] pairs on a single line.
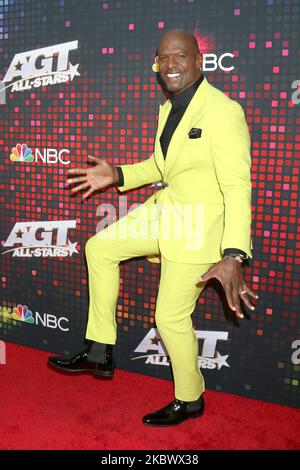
[[199, 61], [155, 66]]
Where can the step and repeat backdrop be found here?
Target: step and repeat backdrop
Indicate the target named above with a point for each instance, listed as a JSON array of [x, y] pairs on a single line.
[[76, 79]]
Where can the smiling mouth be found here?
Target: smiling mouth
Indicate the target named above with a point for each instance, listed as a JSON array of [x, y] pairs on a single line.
[[172, 75]]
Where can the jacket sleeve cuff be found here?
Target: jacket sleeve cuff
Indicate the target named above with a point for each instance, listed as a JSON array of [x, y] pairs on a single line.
[[121, 176]]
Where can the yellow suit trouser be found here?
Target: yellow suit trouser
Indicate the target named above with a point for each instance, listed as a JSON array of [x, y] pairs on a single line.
[[177, 295]]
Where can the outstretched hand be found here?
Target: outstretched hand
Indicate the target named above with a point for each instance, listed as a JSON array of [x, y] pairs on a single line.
[[229, 273], [98, 176]]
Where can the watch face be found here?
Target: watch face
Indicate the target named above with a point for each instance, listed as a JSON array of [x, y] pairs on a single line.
[[238, 256]]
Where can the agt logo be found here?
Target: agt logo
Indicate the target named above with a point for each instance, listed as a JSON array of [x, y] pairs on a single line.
[[154, 351], [40, 67], [41, 239], [22, 153], [23, 314]]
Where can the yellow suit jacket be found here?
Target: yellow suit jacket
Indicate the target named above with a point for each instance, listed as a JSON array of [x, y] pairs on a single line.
[[206, 205]]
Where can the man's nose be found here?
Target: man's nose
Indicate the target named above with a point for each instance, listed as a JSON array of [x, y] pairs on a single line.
[[172, 62]]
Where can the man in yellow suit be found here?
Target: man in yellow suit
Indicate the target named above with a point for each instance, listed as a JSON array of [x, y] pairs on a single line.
[[198, 222]]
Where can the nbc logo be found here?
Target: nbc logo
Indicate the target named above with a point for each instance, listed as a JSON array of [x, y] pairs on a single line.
[[21, 153], [21, 313]]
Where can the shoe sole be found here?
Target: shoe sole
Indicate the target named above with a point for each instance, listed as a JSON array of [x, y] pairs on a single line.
[[95, 373]]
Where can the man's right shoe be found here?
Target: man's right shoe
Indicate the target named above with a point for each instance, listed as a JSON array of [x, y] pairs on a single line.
[[79, 363], [175, 413]]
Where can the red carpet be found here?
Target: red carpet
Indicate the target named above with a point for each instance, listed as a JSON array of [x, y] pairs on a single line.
[[43, 409]]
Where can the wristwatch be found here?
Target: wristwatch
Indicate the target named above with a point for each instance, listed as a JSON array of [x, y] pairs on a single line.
[[239, 255]]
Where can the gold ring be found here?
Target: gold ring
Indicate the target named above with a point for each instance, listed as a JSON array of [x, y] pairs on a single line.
[[243, 292]]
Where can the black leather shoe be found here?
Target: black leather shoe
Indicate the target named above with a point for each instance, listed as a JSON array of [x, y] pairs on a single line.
[[79, 363], [174, 413]]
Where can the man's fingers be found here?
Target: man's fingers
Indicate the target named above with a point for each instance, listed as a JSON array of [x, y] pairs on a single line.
[[87, 194], [77, 171], [94, 159], [229, 297], [76, 180], [243, 296], [81, 186], [248, 290], [237, 307], [244, 292], [233, 301], [247, 302], [251, 292]]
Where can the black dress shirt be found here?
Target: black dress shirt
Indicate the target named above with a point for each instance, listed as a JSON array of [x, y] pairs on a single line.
[[179, 104]]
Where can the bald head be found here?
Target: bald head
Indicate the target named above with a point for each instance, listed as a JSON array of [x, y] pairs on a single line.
[[180, 35], [179, 60]]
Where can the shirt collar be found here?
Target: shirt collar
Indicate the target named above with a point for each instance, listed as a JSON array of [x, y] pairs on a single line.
[[182, 99]]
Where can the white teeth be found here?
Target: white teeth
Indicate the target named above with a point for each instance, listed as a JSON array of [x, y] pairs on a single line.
[[172, 75]]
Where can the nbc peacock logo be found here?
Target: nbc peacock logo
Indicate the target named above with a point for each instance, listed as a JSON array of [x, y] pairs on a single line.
[[21, 313], [21, 153]]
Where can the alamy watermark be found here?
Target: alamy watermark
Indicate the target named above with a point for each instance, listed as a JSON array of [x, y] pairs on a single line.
[[173, 221]]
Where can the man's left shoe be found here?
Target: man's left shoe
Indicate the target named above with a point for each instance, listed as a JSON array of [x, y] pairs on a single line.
[[79, 362], [174, 413]]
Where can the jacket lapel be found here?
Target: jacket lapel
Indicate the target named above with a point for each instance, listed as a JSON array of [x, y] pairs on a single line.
[[164, 111]]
